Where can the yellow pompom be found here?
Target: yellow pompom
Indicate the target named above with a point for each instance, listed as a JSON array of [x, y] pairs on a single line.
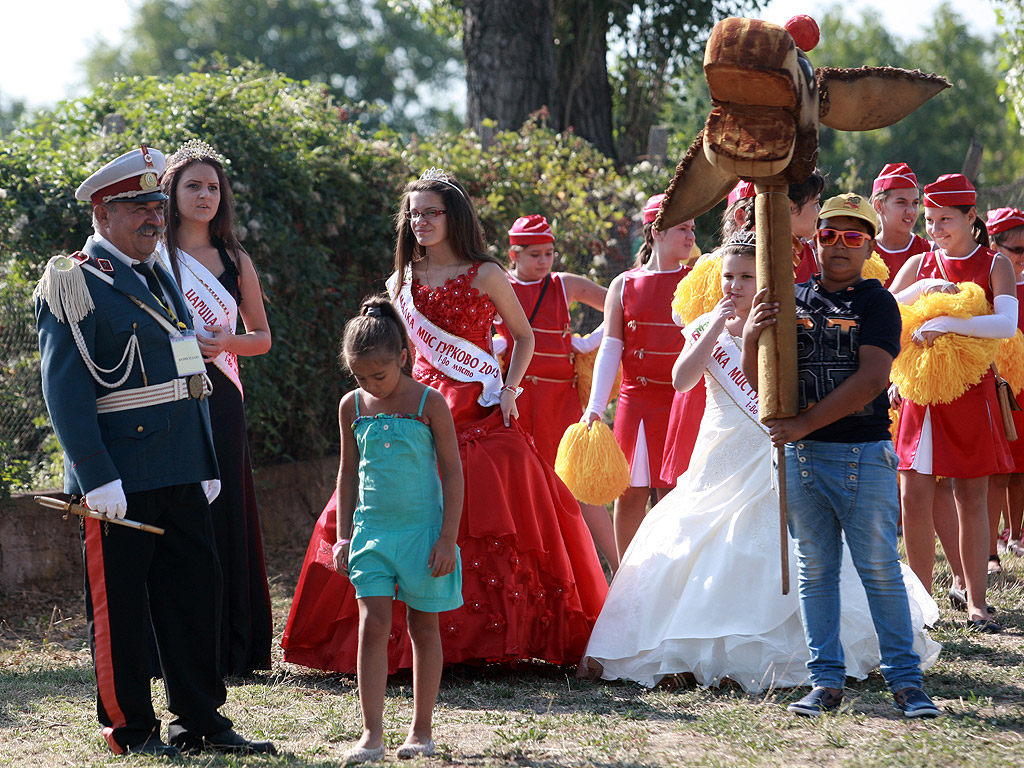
[[591, 464], [1010, 361], [584, 364], [700, 290], [954, 363], [875, 268]]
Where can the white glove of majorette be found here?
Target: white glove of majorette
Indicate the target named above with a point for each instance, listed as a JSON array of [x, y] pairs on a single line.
[[108, 499], [212, 489]]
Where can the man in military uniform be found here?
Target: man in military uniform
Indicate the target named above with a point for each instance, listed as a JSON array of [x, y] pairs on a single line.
[[124, 384]]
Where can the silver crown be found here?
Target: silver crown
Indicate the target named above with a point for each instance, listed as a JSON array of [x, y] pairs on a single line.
[[748, 237], [195, 149]]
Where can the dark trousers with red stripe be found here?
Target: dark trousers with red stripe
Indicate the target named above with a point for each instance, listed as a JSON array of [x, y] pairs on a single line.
[[133, 578]]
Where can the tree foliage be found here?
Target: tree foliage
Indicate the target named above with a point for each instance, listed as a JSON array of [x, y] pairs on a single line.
[[360, 50], [1011, 19], [935, 138], [315, 198]]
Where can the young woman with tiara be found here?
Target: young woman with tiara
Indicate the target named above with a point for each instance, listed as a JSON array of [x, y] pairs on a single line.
[[962, 438], [532, 581], [550, 402], [219, 282], [639, 333], [713, 542]]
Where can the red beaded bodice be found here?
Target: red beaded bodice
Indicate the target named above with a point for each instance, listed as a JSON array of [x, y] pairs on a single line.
[[457, 307]]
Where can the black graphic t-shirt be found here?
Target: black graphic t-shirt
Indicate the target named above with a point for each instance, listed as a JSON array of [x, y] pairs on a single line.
[[830, 329]]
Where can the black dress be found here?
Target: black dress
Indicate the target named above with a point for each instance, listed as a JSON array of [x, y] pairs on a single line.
[[246, 623]]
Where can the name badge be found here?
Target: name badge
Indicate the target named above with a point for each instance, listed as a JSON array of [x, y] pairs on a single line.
[[187, 357]]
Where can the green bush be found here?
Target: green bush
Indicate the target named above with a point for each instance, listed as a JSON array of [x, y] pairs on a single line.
[[316, 197]]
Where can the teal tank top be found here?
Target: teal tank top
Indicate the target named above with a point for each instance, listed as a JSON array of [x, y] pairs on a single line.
[[399, 485]]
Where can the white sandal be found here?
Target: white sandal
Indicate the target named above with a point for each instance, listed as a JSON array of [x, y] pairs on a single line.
[[407, 751]]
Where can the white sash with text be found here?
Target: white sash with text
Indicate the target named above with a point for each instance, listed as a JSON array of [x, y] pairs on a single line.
[[724, 367]]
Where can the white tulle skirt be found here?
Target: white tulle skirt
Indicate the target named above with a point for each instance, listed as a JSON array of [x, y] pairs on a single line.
[[699, 589]]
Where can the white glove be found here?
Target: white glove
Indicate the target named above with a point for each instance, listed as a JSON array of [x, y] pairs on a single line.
[[500, 344], [108, 500], [605, 369], [212, 490], [1000, 325], [913, 292], [590, 342]]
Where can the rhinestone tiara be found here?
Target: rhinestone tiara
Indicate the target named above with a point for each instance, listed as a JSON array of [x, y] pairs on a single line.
[[437, 174], [195, 149], [748, 237]]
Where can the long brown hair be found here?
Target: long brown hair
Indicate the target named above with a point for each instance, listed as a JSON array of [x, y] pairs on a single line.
[[464, 235], [222, 225]]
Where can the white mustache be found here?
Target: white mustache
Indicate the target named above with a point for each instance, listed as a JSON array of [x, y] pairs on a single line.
[[148, 231]]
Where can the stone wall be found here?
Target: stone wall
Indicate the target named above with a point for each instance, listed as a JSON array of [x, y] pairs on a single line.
[[41, 552]]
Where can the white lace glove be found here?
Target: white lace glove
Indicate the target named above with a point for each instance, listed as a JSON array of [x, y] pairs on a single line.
[[913, 292], [590, 342], [1000, 325], [606, 368], [108, 500], [212, 489]]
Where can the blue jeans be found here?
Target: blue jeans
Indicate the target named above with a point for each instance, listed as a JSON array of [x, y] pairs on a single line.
[[849, 488]]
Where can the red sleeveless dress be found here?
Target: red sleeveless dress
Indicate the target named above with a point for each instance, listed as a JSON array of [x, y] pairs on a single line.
[[967, 433], [651, 343], [532, 582], [895, 260], [549, 403]]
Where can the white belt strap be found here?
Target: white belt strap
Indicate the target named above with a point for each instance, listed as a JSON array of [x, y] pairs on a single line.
[[197, 386]]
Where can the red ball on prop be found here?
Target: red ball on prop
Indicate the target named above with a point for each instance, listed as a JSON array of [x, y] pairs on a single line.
[[804, 31]]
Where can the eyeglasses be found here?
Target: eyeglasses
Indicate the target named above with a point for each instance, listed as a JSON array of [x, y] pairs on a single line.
[[428, 213], [851, 237], [1016, 251]]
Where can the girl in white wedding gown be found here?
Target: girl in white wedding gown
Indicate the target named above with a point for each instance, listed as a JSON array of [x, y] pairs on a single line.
[[699, 588]]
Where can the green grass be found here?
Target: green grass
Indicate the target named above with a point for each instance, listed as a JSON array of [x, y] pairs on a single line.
[[536, 715]]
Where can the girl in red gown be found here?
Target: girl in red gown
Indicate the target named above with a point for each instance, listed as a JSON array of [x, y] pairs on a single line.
[[962, 439], [532, 582]]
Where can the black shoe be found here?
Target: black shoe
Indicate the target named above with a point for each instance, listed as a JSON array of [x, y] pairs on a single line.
[[819, 701], [958, 599], [226, 741], [913, 702], [986, 626], [155, 746]]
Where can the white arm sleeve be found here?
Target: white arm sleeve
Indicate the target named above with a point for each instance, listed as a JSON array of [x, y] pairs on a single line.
[[1000, 325], [606, 367], [590, 342], [913, 292], [500, 344]]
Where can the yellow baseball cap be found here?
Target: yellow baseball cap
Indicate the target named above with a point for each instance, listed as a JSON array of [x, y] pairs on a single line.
[[852, 205]]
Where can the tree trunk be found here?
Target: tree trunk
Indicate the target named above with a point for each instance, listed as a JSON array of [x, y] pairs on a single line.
[[510, 61], [582, 71]]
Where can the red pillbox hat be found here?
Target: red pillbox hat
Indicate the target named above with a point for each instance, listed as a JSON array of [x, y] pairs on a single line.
[[894, 176], [948, 190], [651, 207], [531, 230], [1002, 219], [743, 189]]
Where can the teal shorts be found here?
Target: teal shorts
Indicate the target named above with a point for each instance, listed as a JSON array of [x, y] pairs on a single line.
[[387, 563]]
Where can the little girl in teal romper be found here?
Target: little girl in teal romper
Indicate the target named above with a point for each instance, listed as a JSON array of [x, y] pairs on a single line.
[[399, 514], [400, 492]]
